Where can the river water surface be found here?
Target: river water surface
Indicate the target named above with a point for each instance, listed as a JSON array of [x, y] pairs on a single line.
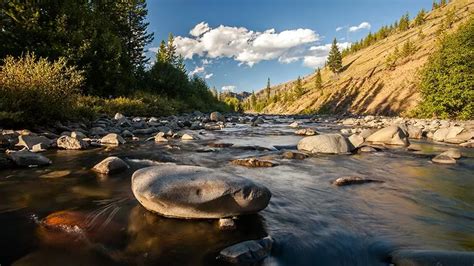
[[420, 205]]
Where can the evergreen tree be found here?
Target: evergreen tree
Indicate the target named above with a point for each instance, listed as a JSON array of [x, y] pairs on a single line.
[[420, 17], [162, 52], [334, 60], [318, 82], [171, 57], [435, 5], [404, 23], [298, 87], [253, 100], [268, 89]]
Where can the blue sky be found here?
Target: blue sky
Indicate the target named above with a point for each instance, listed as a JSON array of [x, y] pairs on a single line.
[[238, 44]]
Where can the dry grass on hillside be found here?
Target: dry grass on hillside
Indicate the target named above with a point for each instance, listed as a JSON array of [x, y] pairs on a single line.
[[367, 85]]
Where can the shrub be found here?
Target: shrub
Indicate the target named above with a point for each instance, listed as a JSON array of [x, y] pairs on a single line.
[[37, 90], [447, 80]]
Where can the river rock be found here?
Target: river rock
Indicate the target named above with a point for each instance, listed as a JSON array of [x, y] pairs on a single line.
[[226, 224], [257, 121], [453, 153], [443, 159], [187, 136], [97, 131], [455, 135], [112, 139], [70, 143], [78, 135], [294, 155], [352, 180], [253, 162], [248, 252], [356, 140], [29, 141], [110, 165], [414, 132], [197, 192], [294, 125], [432, 257], [392, 135], [25, 158], [328, 143], [305, 132], [216, 116]]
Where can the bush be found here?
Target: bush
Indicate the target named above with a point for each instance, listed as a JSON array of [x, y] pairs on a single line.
[[34, 90], [447, 80]]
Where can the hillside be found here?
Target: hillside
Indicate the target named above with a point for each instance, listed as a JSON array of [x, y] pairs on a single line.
[[367, 85]]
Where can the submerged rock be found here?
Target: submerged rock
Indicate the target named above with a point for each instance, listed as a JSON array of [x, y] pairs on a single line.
[[187, 137], [328, 143], [253, 162], [294, 125], [26, 158], [294, 155], [392, 135], [220, 145], [453, 153], [226, 224], [197, 192], [443, 159], [70, 143], [306, 132], [432, 257], [248, 252], [353, 180], [110, 165]]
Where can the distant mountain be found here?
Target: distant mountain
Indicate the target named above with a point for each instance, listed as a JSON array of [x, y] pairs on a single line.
[[372, 80], [240, 96]]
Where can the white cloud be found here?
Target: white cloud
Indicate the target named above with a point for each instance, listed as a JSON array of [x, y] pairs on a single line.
[[197, 70], [317, 55], [229, 88], [208, 76], [241, 44], [199, 29], [363, 25], [340, 28]]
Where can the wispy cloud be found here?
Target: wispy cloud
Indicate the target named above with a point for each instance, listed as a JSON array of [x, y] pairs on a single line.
[[340, 28], [208, 76], [363, 25], [197, 70]]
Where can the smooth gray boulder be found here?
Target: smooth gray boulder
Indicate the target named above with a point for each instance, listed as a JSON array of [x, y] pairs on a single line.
[[183, 191], [112, 139], [328, 143], [110, 165], [216, 116], [70, 143], [356, 140], [432, 258], [248, 252], [392, 135], [25, 158]]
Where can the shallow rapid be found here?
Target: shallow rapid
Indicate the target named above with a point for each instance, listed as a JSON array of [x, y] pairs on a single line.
[[420, 205]]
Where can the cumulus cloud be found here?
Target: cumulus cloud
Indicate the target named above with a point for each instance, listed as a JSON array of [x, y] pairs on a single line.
[[363, 25], [197, 70], [199, 29], [317, 55], [208, 76], [241, 44], [228, 88]]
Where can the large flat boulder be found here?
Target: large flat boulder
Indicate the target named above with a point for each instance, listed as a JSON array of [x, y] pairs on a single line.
[[328, 143], [26, 158], [70, 143], [392, 135], [30, 141], [183, 191]]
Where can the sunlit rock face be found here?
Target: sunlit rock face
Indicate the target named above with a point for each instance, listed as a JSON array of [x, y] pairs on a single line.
[[392, 135], [328, 143], [197, 192]]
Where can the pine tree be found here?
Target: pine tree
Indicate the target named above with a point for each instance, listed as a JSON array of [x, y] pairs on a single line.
[[253, 100], [298, 87], [404, 23], [435, 5], [420, 17], [171, 56], [161, 56], [318, 82], [268, 89], [334, 60]]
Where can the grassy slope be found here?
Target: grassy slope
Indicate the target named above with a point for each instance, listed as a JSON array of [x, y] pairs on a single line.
[[366, 86]]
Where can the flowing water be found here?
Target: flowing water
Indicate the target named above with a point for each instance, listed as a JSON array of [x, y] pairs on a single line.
[[420, 205]]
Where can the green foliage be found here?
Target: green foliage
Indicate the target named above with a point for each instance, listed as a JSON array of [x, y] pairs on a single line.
[[318, 82], [420, 18], [105, 39], [298, 88], [408, 49], [36, 90], [447, 80], [234, 104], [268, 89], [334, 58], [404, 23], [391, 59]]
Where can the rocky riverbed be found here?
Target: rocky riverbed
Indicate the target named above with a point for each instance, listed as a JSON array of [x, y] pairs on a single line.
[[288, 190]]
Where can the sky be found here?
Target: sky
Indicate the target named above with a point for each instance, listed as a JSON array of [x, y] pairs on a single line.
[[237, 45]]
